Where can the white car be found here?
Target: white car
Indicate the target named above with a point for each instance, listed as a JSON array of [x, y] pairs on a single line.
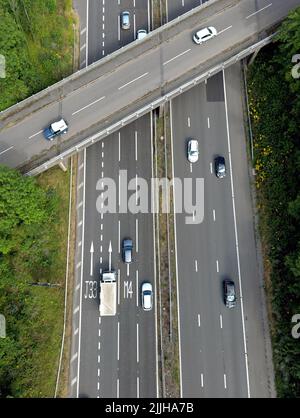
[[204, 34], [141, 33], [147, 296], [192, 150]]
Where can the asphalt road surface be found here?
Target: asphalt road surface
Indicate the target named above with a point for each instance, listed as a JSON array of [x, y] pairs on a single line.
[[215, 359], [98, 101], [117, 355]]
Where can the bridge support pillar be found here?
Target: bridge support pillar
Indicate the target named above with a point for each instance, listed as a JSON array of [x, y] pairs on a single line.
[[63, 165], [253, 56]]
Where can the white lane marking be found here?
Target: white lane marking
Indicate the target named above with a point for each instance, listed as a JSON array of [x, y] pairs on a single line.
[[80, 185], [176, 258], [132, 81], [119, 277], [118, 341], [87, 106], [189, 122], [196, 266], [102, 154], [177, 56], [101, 271], [74, 357], [101, 260], [225, 381], [217, 263], [79, 224], [223, 30], [98, 372], [76, 331], [119, 236], [101, 237], [79, 205], [136, 189], [99, 345], [136, 153], [99, 320], [134, 27], [118, 388], [102, 144], [102, 165], [119, 146], [137, 288], [79, 244], [82, 31], [127, 269], [119, 28], [191, 167], [236, 237], [221, 321], [199, 321], [211, 167], [137, 235], [208, 122], [87, 39], [193, 216], [32, 136], [98, 358], [76, 310], [78, 265], [82, 47], [77, 287], [137, 344], [214, 215], [74, 381], [81, 166], [99, 332], [202, 380], [101, 248], [101, 227], [137, 387], [81, 276], [98, 386], [258, 11], [119, 189]]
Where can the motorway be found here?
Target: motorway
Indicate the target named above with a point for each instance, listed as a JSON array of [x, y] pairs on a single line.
[[155, 70], [116, 356]]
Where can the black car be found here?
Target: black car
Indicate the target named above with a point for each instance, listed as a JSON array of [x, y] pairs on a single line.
[[220, 167], [127, 247], [229, 294]]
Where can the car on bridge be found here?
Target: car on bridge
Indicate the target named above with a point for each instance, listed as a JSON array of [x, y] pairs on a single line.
[[141, 34], [125, 20], [204, 35], [229, 294], [55, 129]]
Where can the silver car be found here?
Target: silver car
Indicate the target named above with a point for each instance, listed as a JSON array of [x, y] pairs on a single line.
[[204, 34], [125, 20], [192, 150], [141, 34]]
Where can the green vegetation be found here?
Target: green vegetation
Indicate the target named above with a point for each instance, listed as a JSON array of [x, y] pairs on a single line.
[[37, 43], [275, 112], [33, 233]]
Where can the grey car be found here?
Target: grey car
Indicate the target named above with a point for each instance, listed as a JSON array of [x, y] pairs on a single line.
[[127, 248], [125, 20], [229, 294]]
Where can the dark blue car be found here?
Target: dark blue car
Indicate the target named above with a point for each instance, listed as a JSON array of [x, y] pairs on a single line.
[[56, 128]]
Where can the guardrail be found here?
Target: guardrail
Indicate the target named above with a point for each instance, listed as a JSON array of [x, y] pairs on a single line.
[[152, 105]]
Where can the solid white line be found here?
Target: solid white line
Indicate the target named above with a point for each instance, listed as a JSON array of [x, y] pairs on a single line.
[[236, 238], [119, 146], [175, 233], [202, 380], [32, 136], [137, 287], [7, 149], [134, 27], [119, 190], [81, 278], [199, 320], [119, 286], [154, 257], [223, 30], [214, 215], [208, 123], [211, 167], [260, 10], [196, 266], [177, 56], [221, 321], [118, 341], [137, 344], [87, 33], [119, 236], [136, 154], [217, 263], [119, 28], [138, 387], [87, 106], [225, 381], [137, 235], [132, 81], [118, 385]]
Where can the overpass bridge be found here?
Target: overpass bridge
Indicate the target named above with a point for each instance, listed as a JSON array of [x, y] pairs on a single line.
[[130, 82]]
